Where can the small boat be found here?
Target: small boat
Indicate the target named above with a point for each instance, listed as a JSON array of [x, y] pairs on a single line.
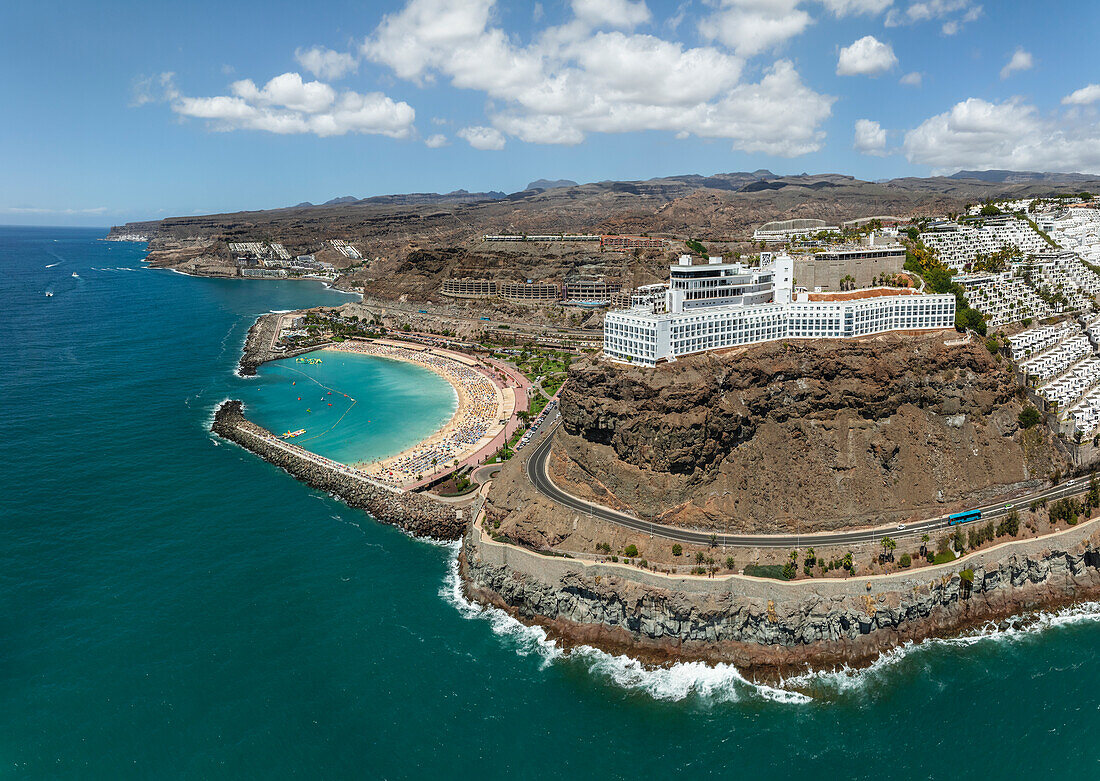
[[330, 404], [49, 294], [292, 434], [308, 409], [75, 274], [299, 398]]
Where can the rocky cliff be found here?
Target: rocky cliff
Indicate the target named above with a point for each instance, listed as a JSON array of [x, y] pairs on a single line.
[[771, 629], [800, 435]]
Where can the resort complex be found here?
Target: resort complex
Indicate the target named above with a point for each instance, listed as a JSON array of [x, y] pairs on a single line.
[[719, 305]]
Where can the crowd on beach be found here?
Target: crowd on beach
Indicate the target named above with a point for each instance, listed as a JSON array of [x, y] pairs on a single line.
[[479, 402]]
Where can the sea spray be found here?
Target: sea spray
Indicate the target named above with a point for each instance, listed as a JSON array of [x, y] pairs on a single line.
[[675, 682]]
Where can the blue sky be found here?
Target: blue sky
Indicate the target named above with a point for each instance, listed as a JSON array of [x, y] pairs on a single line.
[[119, 110]]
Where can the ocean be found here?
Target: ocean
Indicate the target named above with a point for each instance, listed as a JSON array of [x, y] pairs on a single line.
[[171, 605]]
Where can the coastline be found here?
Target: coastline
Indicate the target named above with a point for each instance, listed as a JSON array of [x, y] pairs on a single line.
[[772, 630], [464, 385], [466, 376]]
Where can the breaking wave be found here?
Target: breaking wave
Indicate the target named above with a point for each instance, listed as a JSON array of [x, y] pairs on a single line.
[[1012, 630], [721, 682]]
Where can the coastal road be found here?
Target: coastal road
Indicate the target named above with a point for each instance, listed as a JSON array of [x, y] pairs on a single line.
[[540, 478]]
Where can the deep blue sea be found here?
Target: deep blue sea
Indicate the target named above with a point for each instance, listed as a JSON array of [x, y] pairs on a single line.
[[171, 606]]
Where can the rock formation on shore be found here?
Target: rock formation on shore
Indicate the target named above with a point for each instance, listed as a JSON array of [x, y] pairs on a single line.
[[800, 435], [770, 629]]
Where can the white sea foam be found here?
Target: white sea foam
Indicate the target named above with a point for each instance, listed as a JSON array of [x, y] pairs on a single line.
[[58, 263], [1015, 629], [721, 682]]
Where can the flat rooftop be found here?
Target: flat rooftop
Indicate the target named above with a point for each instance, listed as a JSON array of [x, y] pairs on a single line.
[[870, 292]]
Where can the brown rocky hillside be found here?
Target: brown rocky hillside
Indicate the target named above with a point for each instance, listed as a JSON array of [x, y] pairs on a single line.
[[802, 435]]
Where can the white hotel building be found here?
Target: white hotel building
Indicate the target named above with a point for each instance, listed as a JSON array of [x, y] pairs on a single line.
[[720, 305]]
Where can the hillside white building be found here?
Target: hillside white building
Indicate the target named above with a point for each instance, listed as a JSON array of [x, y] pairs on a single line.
[[957, 245], [720, 305]]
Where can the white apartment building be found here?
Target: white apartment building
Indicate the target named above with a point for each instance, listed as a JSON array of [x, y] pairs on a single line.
[[785, 230], [721, 305], [957, 245]]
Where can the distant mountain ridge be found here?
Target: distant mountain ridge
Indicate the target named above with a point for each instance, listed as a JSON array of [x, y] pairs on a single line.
[[550, 184], [714, 206], [1001, 176]]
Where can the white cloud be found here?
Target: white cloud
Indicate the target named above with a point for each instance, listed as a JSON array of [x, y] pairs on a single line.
[[486, 138], [573, 80], [1083, 97], [913, 79], [870, 138], [326, 63], [977, 134], [436, 141], [1020, 61], [620, 14], [849, 7], [287, 104], [287, 90], [750, 27], [956, 13], [152, 89], [867, 57]]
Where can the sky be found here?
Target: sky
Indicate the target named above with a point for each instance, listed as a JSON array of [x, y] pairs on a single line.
[[117, 111]]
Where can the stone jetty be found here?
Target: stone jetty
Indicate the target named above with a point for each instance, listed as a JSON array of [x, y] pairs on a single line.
[[417, 514]]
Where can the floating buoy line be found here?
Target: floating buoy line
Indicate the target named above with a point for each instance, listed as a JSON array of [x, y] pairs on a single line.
[[315, 361]]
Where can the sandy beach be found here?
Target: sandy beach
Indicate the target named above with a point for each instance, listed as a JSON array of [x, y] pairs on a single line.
[[482, 406]]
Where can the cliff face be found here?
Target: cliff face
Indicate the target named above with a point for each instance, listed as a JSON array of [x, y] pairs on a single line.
[[808, 435], [771, 629]]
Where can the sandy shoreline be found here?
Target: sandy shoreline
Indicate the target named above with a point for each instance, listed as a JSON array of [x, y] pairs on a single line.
[[465, 383]]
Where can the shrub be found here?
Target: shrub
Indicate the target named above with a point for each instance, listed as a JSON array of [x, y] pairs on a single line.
[[1010, 525], [677, 549], [766, 571], [631, 550], [1028, 417], [905, 560]]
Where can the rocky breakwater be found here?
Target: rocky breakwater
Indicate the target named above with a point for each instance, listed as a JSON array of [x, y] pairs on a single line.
[[258, 345], [416, 514], [774, 629], [800, 435]]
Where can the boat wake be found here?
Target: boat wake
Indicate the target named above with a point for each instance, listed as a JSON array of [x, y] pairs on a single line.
[[58, 263], [719, 683]]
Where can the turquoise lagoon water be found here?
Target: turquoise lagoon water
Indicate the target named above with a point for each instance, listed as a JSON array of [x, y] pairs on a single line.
[[171, 606], [378, 408]]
